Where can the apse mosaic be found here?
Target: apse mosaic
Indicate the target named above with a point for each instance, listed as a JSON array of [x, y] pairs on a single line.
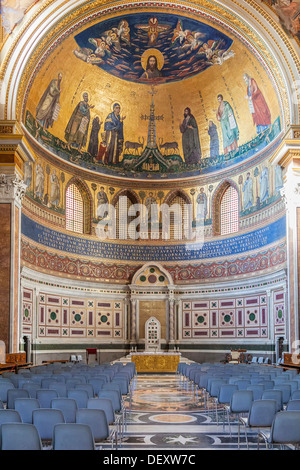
[[153, 95]]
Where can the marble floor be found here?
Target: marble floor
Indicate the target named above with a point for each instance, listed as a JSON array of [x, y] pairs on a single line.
[[163, 415]]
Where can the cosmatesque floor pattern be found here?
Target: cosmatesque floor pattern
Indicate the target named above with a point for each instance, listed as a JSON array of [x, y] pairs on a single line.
[[163, 414]]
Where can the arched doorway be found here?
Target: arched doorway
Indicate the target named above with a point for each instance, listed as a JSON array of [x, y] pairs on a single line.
[[152, 308]]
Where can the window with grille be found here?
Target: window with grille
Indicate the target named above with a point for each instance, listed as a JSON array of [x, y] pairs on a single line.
[[178, 220], [74, 209], [229, 211], [123, 228]]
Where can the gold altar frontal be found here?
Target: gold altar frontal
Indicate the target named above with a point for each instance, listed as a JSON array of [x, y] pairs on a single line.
[[155, 362]]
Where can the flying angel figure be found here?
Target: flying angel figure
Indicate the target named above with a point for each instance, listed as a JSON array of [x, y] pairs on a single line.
[[102, 48], [189, 40], [211, 48], [123, 31], [220, 57]]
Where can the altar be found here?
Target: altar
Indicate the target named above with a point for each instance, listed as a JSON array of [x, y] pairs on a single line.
[[155, 361]]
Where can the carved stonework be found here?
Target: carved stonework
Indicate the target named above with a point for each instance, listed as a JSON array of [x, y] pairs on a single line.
[[12, 188]]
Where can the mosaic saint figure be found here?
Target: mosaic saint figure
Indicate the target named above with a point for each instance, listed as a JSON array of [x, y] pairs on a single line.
[[94, 139], [148, 203], [201, 205], [114, 139], [257, 105], [278, 178], [264, 184], [102, 199], [248, 192], [28, 173], [190, 138], [214, 139], [77, 128], [39, 181], [230, 130], [48, 106], [54, 189], [102, 151]]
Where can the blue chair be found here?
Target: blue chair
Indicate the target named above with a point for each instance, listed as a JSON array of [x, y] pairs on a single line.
[[285, 431], [257, 390], [45, 397], [274, 395], [31, 387], [225, 393], [106, 405], [20, 436], [293, 405], [87, 388], [25, 407], [97, 384], [240, 404], [9, 416], [13, 394], [261, 415], [4, 387], [60, 387], [68, 406], [286, 391], [97, 421], [44, 419], [296, 395], [118, 406], [73, 436], [80, 396]]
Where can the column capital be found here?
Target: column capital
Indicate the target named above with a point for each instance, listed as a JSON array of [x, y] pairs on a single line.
[[12, 188], [14, 149]]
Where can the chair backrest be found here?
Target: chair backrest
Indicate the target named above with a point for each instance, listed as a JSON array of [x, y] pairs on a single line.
[[296, 395], [286, 428], [114, 396], [97, 421], [68, 406], [242, 384], [103, 404], [31, 387], [87, 387], [44, 419], [293, 405], [9, 416], [225, 393], [15, 393], [286, 391], [274, 395], [45, 397], [4, 387], [80, 396], [20, 436], [262, 413], [241, 401], [257, 390], [96, 383], [25, 407], [60, 387], [73, 436]]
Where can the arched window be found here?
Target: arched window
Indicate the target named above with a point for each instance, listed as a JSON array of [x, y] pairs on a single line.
[[179, 221], [125, 230], [78, 215], [229, 211], [225, 207]]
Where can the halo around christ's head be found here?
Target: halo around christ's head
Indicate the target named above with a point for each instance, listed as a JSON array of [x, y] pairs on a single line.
[[152, 52]]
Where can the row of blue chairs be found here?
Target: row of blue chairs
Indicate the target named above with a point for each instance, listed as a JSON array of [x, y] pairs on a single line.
[[246, 393], [64, 436], [71, 388]]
